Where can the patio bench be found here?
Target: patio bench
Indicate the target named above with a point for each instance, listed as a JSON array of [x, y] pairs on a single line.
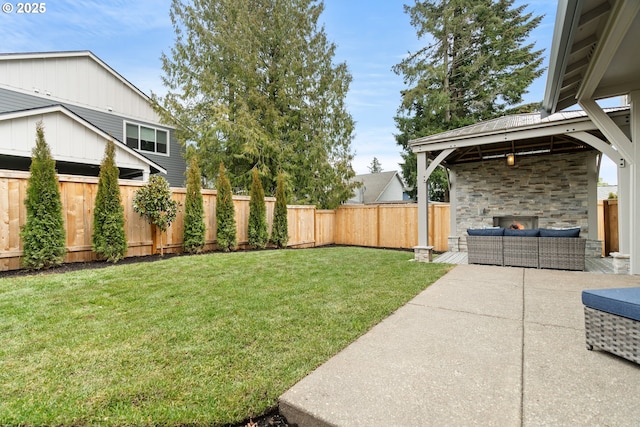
[[612, 321]]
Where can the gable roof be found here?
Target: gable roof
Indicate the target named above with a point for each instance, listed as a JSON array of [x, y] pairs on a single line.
[[18, 136], [375, 184], [77, 78], [531, 133]]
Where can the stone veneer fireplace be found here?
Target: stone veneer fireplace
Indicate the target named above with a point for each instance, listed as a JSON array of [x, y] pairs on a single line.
[[507, 221], [539, 191]]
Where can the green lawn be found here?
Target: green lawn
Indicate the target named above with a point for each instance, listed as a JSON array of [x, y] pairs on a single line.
[[198, 340]]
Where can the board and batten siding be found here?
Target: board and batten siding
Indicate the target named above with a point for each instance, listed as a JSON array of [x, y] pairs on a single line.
[[78, 78], [109, 123]]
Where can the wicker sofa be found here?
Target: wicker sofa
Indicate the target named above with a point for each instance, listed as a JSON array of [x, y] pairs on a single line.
[[534, 248], [612, 321]]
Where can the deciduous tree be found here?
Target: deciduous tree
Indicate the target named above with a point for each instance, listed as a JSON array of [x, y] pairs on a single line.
[[154, 203]]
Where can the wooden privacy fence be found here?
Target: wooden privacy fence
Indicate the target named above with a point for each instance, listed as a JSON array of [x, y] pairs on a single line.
[[390, 226], [608, 225]]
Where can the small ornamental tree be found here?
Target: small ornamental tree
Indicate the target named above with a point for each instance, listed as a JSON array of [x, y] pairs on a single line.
[[109, 239], [280, 230], [225, 213], [43, 235], [258, 233], [153, 202], [194, 226]]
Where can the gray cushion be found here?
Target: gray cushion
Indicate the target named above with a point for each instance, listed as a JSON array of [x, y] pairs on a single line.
[[623, 302]]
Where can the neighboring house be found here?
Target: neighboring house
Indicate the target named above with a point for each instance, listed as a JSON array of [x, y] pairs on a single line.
[[379, 187], [605, 191], [82, 103]]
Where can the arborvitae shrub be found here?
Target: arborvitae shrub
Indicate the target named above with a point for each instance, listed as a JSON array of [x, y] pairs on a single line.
[[43, 235], [109, 239], [280, 229], [194, 226], [225, 213], [257, 233], [153, 202]]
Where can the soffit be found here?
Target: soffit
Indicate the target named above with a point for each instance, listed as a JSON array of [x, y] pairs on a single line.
[[580, 28]]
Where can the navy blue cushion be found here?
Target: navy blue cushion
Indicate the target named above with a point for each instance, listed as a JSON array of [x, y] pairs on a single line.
[[497, 231], [623, 302], [527, 232], [567, 232]]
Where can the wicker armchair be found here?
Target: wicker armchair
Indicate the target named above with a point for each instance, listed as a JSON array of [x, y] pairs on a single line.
[[563, 253], [485, 250]]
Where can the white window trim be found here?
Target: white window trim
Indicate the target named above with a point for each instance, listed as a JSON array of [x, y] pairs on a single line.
[[156, 129]]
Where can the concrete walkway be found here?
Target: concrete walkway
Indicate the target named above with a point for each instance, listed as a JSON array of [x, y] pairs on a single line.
[[489, 346]]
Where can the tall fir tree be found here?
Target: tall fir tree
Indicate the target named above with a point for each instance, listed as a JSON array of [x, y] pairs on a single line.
[[253, 84], [43, 235], [109, 239], [258, 232], [476, 65], [375, 166], [280, 227], [225, 213], [194, 226]]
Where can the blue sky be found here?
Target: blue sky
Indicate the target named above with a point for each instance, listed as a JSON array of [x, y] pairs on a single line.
[[371, 36]]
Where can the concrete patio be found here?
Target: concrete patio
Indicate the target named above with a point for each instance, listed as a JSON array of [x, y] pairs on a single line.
[[483, 345]]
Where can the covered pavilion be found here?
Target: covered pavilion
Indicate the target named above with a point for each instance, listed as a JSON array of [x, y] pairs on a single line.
[[593, 57]]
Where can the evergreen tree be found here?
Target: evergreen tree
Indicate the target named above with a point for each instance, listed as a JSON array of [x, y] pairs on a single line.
[[477, 64], [258, 233], [252, 84], [375, 166], [43, 235], [194, 226], [108, 238], [153, 202], [280, 228], [225, 213]]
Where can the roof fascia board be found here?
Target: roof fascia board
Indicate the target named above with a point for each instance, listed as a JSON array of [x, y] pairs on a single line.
[[609, 129], [622, 16], [395, 173], [567, 19], [70, 114], [509, 135]]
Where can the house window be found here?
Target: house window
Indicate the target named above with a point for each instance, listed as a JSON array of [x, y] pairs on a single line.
[[145, 138]]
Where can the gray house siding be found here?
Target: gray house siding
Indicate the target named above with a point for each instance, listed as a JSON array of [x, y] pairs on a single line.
[[109, 123]]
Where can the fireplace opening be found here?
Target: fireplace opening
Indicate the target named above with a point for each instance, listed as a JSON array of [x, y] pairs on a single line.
[[516, 221]]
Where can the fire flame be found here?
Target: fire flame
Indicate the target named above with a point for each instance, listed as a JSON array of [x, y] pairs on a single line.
[[516, 226]]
